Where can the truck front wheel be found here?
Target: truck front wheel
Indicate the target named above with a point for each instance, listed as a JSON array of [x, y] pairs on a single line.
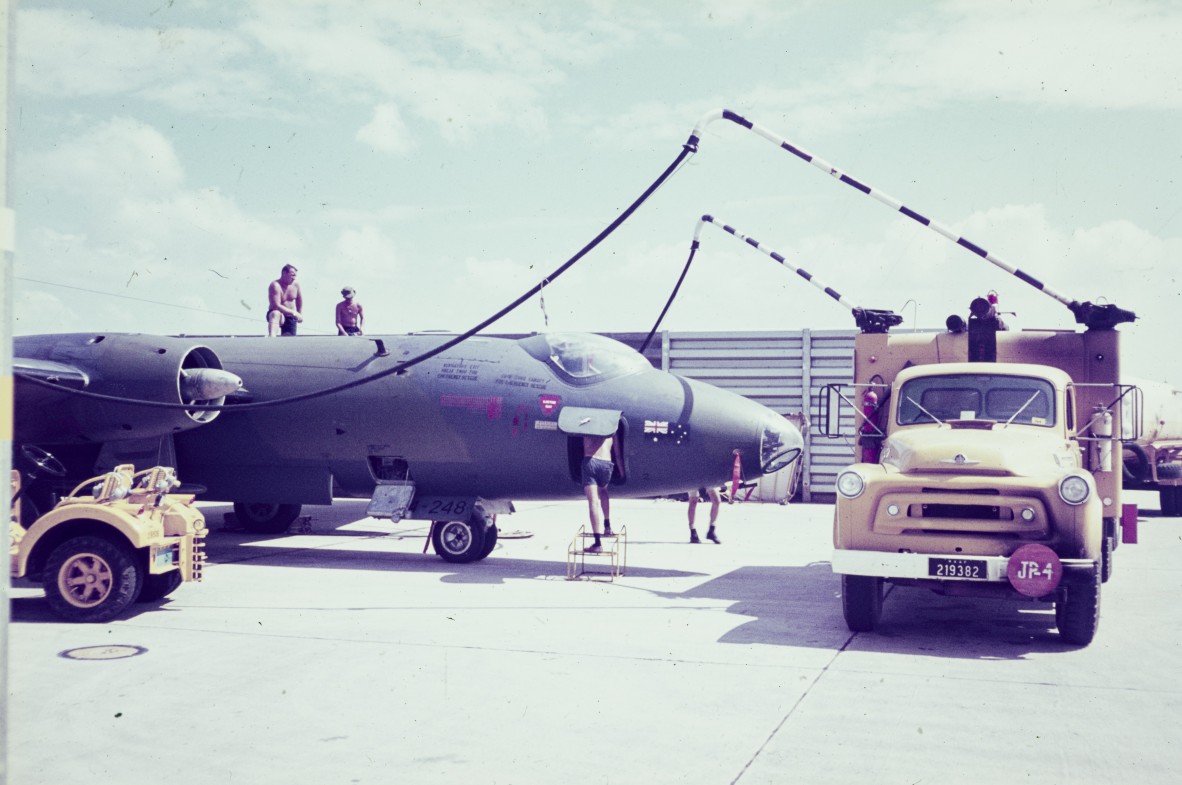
[[91, 579], [1077, 608], [861, 601], [1168, 495]]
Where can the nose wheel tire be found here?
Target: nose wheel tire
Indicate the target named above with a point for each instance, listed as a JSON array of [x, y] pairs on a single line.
[[90, 579]]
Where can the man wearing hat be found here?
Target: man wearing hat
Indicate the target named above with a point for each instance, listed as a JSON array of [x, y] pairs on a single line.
[[349, 313]]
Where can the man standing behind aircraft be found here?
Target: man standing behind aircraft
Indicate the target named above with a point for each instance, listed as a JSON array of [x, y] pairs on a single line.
[[598, 452], [285, 302], [349, 313]]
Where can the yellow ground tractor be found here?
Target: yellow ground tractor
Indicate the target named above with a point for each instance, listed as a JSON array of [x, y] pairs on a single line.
[[990, 465], [115, 539]]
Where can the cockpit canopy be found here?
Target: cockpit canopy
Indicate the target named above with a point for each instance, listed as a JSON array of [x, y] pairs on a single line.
[[584, 358]]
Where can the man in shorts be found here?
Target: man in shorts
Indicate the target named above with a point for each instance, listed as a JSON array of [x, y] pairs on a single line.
[[715, 502], [598, 454], [349, 313], [285, 302]]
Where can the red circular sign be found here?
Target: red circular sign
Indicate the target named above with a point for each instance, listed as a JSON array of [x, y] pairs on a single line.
[[1034, 570]]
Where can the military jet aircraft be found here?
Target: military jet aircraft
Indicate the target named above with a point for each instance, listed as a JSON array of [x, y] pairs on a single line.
[[452, 440]]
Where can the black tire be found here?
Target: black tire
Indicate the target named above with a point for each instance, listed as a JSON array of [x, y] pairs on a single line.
[[91, 579], [1077, 608], [490, 541], [480, 518], [1106, 559], [1168, 494], [157, 587], [861, 602], [1169, 471], [263, 518], [458, 542]]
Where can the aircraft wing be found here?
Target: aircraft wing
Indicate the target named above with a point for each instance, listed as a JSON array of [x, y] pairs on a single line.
[[49, 371]]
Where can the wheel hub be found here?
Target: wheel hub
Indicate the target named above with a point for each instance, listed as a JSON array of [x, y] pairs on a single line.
[[85, 580]]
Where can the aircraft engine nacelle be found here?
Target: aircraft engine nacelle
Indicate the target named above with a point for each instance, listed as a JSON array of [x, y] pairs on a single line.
[[140, 367]]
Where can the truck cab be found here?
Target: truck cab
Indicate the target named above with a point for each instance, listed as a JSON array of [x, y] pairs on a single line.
[[984, 475]]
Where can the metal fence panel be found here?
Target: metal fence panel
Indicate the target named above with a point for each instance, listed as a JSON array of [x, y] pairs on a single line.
[[781, 370]]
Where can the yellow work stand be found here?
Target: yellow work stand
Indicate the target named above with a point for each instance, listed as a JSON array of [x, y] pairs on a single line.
[[614, 547]]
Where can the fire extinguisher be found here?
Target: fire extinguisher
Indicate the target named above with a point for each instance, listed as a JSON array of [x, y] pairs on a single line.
[[1102, 431], [871, 436]]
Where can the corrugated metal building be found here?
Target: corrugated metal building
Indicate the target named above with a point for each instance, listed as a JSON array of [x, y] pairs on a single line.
[[782, 370]]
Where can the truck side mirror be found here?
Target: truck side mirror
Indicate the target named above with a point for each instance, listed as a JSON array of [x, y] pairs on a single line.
[[830, 409]]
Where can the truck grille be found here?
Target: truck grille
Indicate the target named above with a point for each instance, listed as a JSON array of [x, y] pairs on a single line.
[[961, 511]]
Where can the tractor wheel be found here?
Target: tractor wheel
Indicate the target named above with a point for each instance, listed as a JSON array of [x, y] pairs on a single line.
[[91, 579]]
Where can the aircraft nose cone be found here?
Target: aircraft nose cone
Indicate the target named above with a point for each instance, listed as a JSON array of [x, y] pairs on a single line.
[[780, 444], [724, 423], [206, 384]]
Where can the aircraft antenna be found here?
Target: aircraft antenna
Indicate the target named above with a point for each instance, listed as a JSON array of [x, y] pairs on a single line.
[[1099, 316]]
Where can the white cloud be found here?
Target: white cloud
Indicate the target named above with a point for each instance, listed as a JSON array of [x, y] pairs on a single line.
[[72, 54], [119, 156], [387, 132], [1102, 56], [484, 66]]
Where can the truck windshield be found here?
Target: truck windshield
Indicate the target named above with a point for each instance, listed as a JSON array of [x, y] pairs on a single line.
[[1023, 400]]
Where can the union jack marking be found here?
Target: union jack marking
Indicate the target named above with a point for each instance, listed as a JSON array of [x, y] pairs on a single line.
[[656, 426]]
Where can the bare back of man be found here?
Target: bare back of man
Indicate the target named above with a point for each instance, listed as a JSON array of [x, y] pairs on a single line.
[[598, 447]]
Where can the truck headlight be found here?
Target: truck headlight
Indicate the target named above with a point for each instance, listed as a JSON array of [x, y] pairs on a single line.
[[850, 484], [1074, 489]]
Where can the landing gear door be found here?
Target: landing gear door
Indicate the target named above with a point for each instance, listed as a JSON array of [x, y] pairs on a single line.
[[580, 421], [391, 499]]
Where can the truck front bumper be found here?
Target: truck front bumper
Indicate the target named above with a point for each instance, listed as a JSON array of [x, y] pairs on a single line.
[[923, 566]]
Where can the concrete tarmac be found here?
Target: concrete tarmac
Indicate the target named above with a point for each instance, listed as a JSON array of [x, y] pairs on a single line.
[[344, 655]]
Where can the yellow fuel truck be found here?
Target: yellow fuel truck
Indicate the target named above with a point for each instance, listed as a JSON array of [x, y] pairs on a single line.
[[990, 465], [117, 538]]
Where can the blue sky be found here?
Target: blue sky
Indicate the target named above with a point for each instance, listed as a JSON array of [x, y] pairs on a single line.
[[442, 157]]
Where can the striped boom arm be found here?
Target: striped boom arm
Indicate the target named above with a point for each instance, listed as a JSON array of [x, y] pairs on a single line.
[[1099, 316], [868, 320]]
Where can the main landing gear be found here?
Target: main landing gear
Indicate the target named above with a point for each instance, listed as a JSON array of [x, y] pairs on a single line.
[[262, 518], [461, 542]]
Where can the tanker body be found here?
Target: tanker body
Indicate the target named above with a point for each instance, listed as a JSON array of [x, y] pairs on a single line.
[[1153, 460]]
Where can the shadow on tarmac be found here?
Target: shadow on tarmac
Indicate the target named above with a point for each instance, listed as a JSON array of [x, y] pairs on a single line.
[[36, 610], [801, 606]]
